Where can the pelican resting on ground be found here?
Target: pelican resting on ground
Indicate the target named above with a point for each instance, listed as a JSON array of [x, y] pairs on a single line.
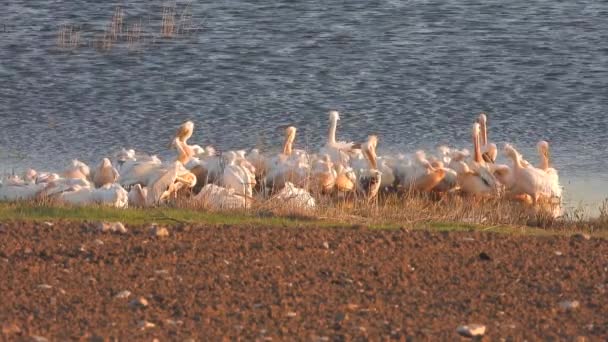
[[474, 177], [530, 180], [216, 197], [292, 197], [368, 183], [104, 173]]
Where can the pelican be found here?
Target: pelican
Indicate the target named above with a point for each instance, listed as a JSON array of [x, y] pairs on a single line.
[[237, 177], [137, 196], [77, 169], [474, 177], [109, 194], [323, 175], [535, 182], [490, 151], [139, 172], [337, 150], [104, 173], [287, 166], [216, 197], [184, 132], [369, 181], [168, 181], [292, 197], [543, 151], [418, 174], [20, 192]]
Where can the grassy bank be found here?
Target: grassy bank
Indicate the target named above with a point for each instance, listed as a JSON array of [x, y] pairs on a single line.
[[327, 218]]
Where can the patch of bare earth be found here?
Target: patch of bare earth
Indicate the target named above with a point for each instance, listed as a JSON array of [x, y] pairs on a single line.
[[70, 282]]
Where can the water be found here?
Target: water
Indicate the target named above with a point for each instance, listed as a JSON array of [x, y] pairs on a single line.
[[415, 72]]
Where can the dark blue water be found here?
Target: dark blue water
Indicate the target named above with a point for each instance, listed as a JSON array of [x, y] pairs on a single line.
[[415, 72]]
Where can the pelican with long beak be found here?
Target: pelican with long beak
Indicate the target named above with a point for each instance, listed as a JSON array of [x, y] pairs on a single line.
[[369, 182], [530, 180], [184, 132], [289, 166], [475, 178], [338, 151], [490, 150]]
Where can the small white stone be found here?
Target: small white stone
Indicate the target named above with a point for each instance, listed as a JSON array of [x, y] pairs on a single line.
[[123, 294], [145, 325], [569, 304], [115, 227], [45, 287], [326, 245], [291, 314], [98, 242], [159, 231], [36, 338], [47, 224], [558, 253], [471, 330], [139, 302]]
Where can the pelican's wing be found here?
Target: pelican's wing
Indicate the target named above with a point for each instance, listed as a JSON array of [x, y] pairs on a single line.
[[162, 185]]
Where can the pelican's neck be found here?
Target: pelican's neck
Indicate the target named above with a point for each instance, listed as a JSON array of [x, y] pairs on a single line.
[[287, 147], [484, 133], [332, 131], [517, 163], [477, 148], [544, 160], [182, 154]]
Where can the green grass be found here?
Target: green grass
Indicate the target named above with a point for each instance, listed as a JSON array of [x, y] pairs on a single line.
[[169, 216]]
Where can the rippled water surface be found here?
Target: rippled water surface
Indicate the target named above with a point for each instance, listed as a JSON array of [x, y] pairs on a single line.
[[414, 72]]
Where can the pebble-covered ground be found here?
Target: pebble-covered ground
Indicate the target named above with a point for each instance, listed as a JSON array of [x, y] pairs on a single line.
[[70, 281]]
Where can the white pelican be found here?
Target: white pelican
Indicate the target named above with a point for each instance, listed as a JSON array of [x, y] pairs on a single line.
[[217, 197], [337, 150], [109, 194], [139, 172], [543, 150], [236, 176], [474, 177], [323, 175], [287, 166], [137, 196], [183, 133], [490, 151], [77, 169], [20, 192], [532, 181], [417, 174], [292, 197], [368, 182], [104, 173], [167, 181]]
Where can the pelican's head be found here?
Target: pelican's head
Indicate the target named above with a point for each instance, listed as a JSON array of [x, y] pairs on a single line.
[[334, 115], [421, 156], [106, 163], [510, 151], [30, 175], [290, 133], [482, 119], [543, 147], [460, 155], [184, 132]]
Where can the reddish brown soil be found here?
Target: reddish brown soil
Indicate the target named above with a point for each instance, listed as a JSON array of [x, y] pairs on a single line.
[[206, 283]]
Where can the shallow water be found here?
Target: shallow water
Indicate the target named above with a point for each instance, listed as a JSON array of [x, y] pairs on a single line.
[[415, 72]]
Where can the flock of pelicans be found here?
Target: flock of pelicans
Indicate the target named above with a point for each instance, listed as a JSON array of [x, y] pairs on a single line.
[[235, 179]]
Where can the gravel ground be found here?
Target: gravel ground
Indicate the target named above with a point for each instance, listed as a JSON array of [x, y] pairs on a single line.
[[69, 281]]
